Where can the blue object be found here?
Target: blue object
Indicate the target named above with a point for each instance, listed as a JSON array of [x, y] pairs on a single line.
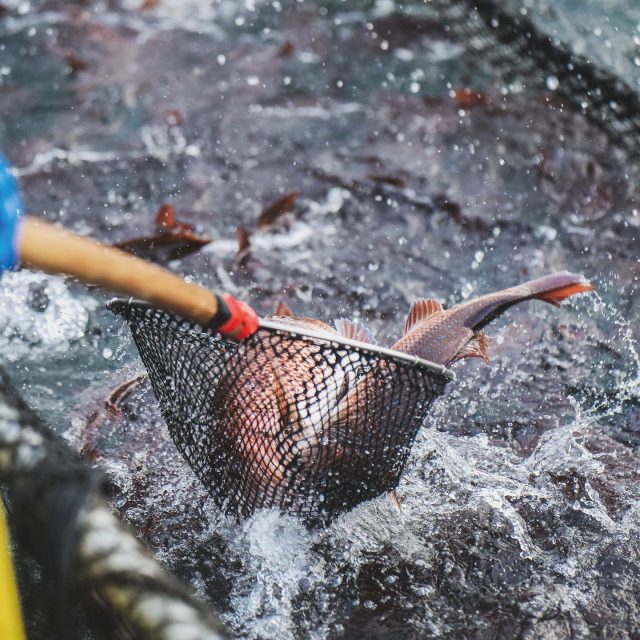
[[11, 210]]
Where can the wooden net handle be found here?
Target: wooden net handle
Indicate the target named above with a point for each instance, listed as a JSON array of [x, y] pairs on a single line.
[[48, 248]]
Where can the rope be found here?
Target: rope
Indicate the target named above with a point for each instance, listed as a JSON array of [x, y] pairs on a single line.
[[61, 518]]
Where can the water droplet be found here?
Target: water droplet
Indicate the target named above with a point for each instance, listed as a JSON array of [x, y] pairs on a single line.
[[406, 55]]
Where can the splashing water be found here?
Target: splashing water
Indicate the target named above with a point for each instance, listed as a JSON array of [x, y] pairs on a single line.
[[279, 565], [542, 535], [39, 315], [626, 382]]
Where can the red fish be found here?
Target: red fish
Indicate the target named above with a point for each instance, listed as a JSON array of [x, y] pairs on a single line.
[[446, 336], [440, 336], [172, 240], [264, 402], [291, 415]]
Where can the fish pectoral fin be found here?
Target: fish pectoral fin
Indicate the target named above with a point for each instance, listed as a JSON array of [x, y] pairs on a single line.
[[421, 310], [283, 310], [395, 501], [343, 388], [354, 331], [477, 347], [336, 393], [287, 405]]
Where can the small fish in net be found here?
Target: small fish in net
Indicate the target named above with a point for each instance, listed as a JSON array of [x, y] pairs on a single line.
[[301, 416]]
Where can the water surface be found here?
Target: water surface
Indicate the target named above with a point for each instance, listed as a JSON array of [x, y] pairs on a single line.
[[520, 506]]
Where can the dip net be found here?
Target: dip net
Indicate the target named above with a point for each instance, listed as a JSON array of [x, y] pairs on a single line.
[[310, 423]]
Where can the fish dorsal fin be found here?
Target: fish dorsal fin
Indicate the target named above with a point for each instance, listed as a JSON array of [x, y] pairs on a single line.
[[282, 310], [244, 240], [353, 331], [421, 310], [287, 405], [166, 217], [477, 347]]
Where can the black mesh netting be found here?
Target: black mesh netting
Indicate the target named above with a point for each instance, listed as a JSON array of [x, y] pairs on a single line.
[[510, 41], [309, 424]]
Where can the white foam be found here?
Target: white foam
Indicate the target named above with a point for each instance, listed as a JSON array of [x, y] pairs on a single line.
[[35, 330]]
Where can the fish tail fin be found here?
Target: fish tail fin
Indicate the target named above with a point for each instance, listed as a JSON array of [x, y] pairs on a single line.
[[557, 286], [553, 288], [461, 327]]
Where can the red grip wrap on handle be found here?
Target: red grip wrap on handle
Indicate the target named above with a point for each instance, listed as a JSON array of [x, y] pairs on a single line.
[[243, 321]]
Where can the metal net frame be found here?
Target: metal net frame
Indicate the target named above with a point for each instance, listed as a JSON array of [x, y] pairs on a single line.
[[306, 422]]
